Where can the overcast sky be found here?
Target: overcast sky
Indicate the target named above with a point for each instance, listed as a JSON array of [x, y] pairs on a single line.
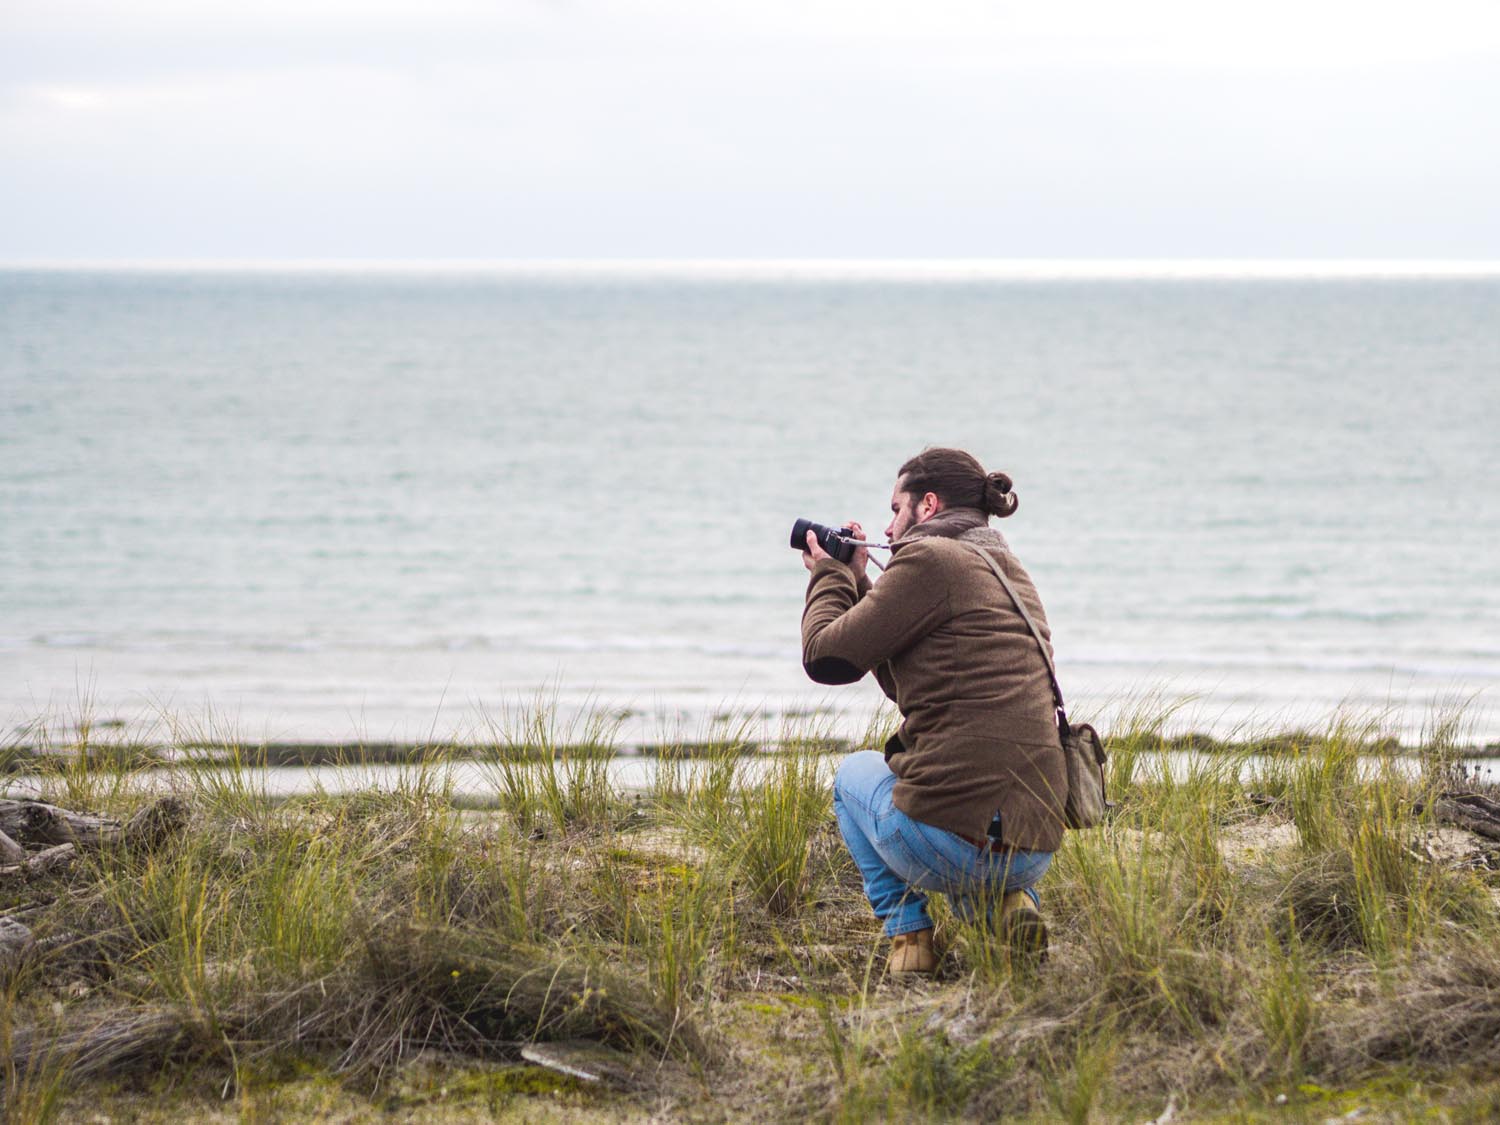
[[768, 129]]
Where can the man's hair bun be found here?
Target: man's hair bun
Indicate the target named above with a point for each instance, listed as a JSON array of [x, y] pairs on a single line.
[[955, 477], [999, 500]]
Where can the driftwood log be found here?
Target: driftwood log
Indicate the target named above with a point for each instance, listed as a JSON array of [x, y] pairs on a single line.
[[10, 851], [36, 822], [1479, 815], [61, 834]]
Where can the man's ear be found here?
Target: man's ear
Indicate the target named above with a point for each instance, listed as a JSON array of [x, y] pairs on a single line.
[[930, 505]]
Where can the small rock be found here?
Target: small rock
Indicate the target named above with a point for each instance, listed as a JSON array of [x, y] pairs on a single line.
[[580, 1059], [15, 943], [1167, 1114]]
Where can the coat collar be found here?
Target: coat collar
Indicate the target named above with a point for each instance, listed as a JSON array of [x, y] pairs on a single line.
[[950, 523]]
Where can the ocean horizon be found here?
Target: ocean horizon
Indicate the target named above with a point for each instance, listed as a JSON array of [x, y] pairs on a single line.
[[828, 268]]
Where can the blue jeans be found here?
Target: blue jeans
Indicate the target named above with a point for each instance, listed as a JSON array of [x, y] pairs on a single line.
[[900, 858]]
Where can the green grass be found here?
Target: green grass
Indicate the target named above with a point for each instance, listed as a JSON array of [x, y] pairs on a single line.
[[1260, 932], [550, 773]]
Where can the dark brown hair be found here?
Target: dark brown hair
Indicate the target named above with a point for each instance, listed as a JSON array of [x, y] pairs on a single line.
[[958, 481]]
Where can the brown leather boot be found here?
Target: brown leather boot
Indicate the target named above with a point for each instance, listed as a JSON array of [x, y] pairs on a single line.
[[1022, 925], [913, 954]]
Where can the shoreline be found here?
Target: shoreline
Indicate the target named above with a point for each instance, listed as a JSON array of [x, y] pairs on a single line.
[[132, 755]]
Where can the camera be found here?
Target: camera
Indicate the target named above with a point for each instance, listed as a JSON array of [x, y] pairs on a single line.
[[834, 540]]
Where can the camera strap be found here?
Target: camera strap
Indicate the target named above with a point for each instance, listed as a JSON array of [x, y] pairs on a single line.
[[1057, 696]]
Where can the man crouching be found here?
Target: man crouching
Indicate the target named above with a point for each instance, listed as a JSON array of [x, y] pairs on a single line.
[[967, 799]]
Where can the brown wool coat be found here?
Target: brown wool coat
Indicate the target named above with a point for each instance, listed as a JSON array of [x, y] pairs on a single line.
[[945, 642]]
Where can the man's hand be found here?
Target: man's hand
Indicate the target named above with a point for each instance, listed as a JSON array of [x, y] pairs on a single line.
[[859, 563], [861, 560]]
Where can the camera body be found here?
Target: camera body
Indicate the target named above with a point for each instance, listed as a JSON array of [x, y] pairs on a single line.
[[834, 540]]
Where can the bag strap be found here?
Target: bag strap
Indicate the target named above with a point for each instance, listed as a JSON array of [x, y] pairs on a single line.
[[1057, 696]]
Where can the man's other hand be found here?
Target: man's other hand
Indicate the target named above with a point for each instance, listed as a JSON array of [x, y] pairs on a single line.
[[814, 552]]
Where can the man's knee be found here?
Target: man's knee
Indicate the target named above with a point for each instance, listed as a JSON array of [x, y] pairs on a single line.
[[860, 772]]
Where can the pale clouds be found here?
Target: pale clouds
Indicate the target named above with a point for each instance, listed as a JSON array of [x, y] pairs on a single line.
[[391, 129]]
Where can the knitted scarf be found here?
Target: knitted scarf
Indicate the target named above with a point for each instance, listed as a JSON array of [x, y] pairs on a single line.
[[955, 523]]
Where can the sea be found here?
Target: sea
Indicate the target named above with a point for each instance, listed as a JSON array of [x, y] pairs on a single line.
[[398, 502]]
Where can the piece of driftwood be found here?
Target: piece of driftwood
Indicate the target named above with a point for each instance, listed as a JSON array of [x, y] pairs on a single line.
[[44, 862], [1470, 811], [10, 851], [38, 823], [50, 859], [1479, 815]]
